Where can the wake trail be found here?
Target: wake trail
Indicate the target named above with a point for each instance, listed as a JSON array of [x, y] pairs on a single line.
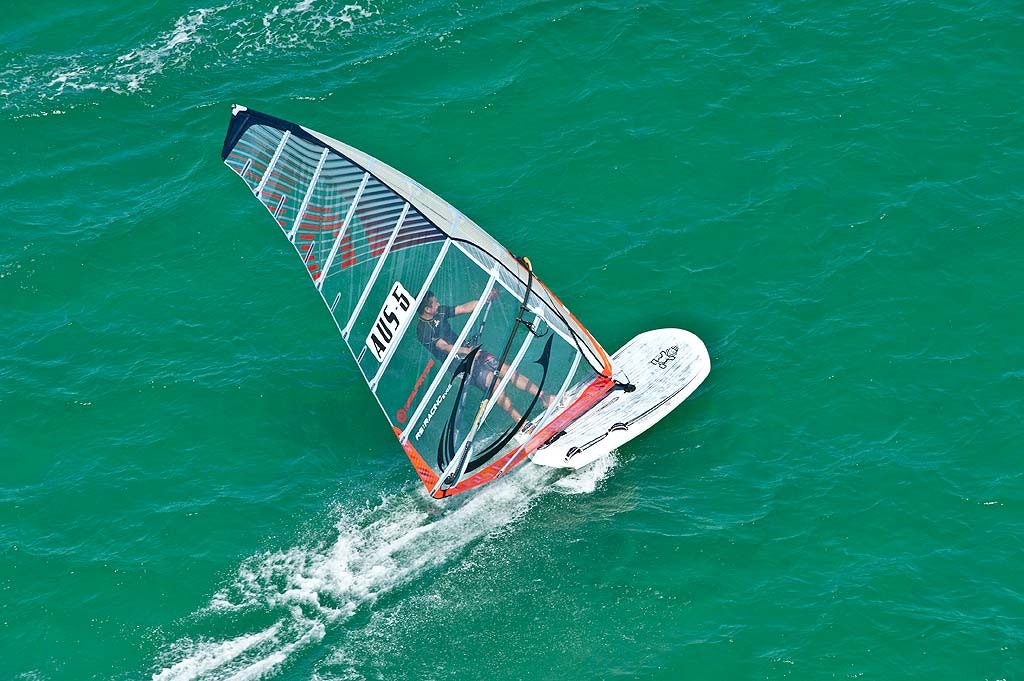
[[203, 39], [307, 589]]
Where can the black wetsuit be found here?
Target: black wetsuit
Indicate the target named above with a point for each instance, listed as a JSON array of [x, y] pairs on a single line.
[[439, 328]]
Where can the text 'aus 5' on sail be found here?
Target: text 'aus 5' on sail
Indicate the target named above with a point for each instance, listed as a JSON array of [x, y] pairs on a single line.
[[393, 315]]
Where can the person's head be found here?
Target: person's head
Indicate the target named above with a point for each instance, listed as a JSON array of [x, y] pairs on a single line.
[[429, 305]]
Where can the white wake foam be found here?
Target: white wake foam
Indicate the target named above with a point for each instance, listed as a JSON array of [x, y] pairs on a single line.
[[202, 657], [370, 553], [586, 479], [173, 48], [210, 37]]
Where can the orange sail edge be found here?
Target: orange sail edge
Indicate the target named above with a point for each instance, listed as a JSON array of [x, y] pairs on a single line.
[[427, 475], [593, 394]]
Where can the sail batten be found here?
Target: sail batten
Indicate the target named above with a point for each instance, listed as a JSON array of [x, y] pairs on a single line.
[[376, 272], [309, 194], [342, 231], [374, 243], [273, 162]]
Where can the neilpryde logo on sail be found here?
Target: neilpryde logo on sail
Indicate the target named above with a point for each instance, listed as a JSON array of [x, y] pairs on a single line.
[[433, 410], [394, 315]]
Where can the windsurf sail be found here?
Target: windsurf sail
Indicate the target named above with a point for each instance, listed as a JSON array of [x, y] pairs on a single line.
[[397, 266]]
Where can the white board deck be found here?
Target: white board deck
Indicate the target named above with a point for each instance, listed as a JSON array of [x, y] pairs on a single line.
[[665, 365]]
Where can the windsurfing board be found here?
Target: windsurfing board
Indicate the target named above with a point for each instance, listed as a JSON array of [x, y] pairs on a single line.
[[665, 365]]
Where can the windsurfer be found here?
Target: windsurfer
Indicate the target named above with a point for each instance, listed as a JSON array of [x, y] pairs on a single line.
[[435, 332]]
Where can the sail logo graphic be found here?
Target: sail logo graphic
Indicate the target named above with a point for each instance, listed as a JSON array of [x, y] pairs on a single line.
[[393, 316], [433, 410]]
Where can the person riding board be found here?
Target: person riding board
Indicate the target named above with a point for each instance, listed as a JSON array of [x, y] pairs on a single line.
[[435, 332]]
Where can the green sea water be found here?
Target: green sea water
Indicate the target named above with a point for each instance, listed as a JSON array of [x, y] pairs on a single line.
[[195, 483]]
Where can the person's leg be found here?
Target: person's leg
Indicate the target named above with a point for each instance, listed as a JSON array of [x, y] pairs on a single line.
[[483, 374], [526, 385], [504, 401]]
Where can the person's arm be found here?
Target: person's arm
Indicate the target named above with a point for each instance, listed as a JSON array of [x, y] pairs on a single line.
[[446, 347], [466, 308]]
